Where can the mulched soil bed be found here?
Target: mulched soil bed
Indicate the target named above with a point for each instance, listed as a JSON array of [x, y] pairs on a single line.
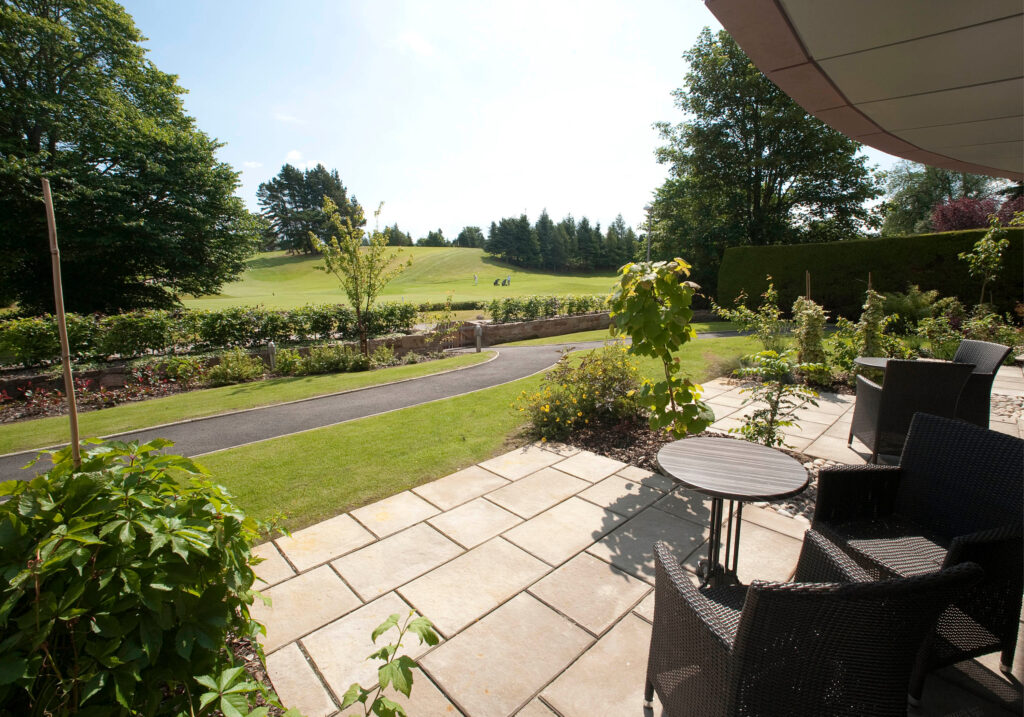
[[635, 443], [53, 403]]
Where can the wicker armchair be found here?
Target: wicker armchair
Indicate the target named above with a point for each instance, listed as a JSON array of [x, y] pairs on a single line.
[[955, 497], [792, 648], [881, 415], [975, 399]]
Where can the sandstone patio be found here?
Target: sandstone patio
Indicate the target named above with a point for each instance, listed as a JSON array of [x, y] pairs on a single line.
[[536, 568]]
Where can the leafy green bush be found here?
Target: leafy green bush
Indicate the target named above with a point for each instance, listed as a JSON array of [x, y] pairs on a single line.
[[288, 362], [121, 583], [529, 308], [766, 323], [383, 356], [236, 366], [909, 307], [809, 330], [775, 394], [30, 341], [601, 386], [135, 333]]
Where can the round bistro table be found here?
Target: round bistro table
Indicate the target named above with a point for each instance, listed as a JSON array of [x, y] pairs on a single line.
[[876, 362], [727, 469]]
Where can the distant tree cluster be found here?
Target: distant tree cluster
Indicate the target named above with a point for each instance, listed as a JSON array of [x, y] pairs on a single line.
[[292, 203], [569, 245], [921, 199]]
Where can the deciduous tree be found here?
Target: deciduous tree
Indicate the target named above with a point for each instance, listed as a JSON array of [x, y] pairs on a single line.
[[913, 190], [749, 166], [145, 211]]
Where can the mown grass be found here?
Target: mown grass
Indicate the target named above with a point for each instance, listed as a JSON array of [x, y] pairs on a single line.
[[604, 335], [207, 402], [279, 281], [321, 473]]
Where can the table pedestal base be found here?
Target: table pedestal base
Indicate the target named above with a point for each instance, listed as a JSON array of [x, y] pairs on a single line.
[[713, 572]]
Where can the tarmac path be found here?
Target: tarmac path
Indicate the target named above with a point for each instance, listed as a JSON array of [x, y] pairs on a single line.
[[195, 437]]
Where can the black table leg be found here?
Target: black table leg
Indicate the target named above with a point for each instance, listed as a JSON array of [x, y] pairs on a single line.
[[712, 571]]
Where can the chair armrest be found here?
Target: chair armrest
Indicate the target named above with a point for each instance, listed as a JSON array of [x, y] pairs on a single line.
[[674, 587], [821, 561], [855, 493], [990, 548]]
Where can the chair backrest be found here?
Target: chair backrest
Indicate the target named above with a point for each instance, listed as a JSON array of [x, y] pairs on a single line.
[[958, 478], [911, 387], [987, 357], [837, 649]]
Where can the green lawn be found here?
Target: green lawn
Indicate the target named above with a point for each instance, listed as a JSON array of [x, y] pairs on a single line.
[[317, 474], [604, 335], [277, 280], [52, 431]]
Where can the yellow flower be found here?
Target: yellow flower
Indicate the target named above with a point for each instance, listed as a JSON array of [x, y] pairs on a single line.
[[579, 413], [543, 440]]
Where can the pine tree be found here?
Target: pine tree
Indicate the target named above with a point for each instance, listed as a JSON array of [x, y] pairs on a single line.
[[545, 232]]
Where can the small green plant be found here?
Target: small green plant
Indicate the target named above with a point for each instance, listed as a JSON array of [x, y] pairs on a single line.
[[652, 305], [909, 307], [121, 582], [766, 323], [809, 330], [396, 670], [383, 356], [775, 395], [288, 362], [236, 366], [985, 259], [445, 327], [181, 369], [872, 324], [600, 387]]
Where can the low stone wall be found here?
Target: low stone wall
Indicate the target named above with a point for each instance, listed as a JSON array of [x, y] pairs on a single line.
[[541, 328]]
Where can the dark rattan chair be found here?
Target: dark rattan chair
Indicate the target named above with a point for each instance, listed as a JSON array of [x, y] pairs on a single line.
[[881, 415], [955, 497], [976, 398], [792, 648]]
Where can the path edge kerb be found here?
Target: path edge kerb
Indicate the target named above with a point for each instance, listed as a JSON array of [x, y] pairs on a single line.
[[197, 419]]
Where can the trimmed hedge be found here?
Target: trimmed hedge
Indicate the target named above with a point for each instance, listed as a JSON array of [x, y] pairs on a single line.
[[33, 340], [839, 270], [456, 306], [529, 308]]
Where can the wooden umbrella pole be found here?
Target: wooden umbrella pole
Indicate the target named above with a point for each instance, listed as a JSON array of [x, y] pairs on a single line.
[[62, 327]]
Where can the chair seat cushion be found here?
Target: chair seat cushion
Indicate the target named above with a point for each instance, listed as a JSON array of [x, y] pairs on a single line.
[[892, 547]]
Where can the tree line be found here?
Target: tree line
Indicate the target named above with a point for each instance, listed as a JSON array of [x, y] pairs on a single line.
[[569, 245]]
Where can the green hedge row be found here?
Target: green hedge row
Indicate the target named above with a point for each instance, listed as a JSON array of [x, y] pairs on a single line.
[[456, 305], [33, 340], [839, 270], [528, 308]]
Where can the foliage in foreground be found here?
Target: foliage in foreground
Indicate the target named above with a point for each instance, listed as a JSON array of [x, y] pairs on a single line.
[[774, 396], [396, 670], [652, 305], [121, 583], [766, 323], [602, 387]]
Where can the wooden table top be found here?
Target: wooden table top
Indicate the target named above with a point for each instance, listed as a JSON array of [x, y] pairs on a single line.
[[871, 361], [733, 469]]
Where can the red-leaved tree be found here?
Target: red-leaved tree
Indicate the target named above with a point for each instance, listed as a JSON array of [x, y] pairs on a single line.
[[1009, 208], [960, 214]]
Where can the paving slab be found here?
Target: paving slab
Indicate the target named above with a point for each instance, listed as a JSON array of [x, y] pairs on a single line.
[[494, 667], [630, 547], [648, 478], [806, 428], [835, 449], [732, 398], [560, 532], [562, 449], [301, 605], [687, 504], [388, 516], [609, 678], [590, 466], [536, 708], [471, 585], [274, 567], [537, 492], [425, 701], [621, 495], [395, 560], [460, 487], [766, 554], [324, 541], [794, 527], [339, 649], [591, 592], [296, 683], [521, 462], [474, 522], [646, 607]]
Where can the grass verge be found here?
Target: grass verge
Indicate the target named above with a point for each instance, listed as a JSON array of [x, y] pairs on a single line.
[[42, 432], [604, 335], [318, 474]]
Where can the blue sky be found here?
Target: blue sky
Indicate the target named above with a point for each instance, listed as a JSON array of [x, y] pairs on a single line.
[[451, 113]]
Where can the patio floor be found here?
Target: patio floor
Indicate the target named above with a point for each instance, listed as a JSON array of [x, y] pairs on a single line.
[[536, 568]]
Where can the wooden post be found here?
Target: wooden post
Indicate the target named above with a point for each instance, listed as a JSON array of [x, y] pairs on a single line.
[[869, 281], [62, 327], [807, 278]]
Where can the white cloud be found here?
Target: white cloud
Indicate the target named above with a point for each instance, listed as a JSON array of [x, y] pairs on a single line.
[[294, 158], [416, 43], [288, 119], [252, 165]]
